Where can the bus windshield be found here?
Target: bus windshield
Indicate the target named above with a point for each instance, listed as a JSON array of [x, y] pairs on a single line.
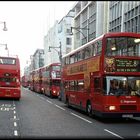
[[121, 85], [123, 46], [55, 82]]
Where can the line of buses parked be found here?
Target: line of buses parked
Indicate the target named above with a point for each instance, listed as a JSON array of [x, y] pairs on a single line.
[[101, 77], [44, 80]]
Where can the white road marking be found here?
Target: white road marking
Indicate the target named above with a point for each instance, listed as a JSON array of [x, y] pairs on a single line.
[[49, 101], [113, 133], [26, 89], [7, 109], [41, 97], [15, 132], [8, 105], [15, 124], [59, 107], [13, 103], [14, 117], [81, 118], [4, 109]]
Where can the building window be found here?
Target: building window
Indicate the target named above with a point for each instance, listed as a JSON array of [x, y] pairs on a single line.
[[68, 41], [68, 31]]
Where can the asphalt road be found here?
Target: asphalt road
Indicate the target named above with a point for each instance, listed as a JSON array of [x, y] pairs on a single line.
[[38, 116]]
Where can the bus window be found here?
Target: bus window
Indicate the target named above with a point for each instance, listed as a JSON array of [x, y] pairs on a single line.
[[80, 84], [123, 46], [93, 50], [71, 85], [56, 68], [64, 61], [76, 85], [76, 57], [72, 57], [67, 60], [99, 47], [66, 85], [83, 54], [87, 52], [56, 82], [97, 84], [79, 57], [8, 61], [111, 46], [104, 86]]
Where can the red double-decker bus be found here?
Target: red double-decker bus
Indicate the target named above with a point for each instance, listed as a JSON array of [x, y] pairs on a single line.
[[102, 77], [37, 80], [10, 77], [31, 80], [50, 76], [25, 81]]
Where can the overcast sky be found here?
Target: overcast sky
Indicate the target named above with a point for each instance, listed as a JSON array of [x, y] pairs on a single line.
[[27, 23]]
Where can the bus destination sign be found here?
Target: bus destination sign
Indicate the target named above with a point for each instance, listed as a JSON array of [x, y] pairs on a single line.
[[127, 65]]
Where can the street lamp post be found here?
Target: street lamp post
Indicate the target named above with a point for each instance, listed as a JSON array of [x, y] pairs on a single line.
[[4, 23], [6, 48], [4, 29], [78, 29], [61, 96]]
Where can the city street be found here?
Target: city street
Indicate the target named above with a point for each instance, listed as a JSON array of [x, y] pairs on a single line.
[[84, 52], [38, 116]]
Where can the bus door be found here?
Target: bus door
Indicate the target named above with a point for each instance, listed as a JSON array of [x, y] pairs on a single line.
[[80, 94], [72, 92], [97, 93]]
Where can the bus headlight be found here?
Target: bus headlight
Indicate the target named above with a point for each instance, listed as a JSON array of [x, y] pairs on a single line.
[[112, 107], [54, 91]]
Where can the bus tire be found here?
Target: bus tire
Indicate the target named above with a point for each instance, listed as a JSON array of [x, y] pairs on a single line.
[[67, 102], [50, 93], [17, 99], [89, 109]]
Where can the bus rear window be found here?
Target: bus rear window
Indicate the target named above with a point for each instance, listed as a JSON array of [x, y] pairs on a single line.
[[8, 61], [56, 68]]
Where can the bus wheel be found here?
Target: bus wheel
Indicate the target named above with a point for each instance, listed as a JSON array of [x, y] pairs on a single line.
[[67, 102], [89, 109], [17, 99], [51, 96]]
